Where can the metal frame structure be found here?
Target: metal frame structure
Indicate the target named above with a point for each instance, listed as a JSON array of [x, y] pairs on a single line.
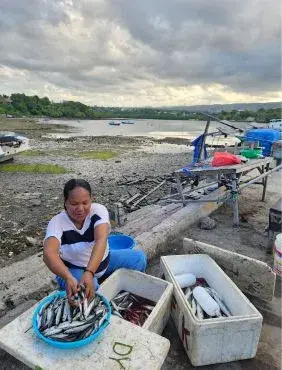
[[229, 176]]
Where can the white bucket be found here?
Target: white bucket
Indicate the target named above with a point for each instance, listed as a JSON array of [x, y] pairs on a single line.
[[277, 268]]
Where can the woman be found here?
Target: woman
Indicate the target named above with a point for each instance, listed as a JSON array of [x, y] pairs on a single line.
[[76, 243]]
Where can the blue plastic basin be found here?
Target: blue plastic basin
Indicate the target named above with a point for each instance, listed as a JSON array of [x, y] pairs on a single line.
[[69, 345], [121, 241]]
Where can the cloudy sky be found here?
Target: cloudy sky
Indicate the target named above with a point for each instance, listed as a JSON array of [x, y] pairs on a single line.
[[142, 52]]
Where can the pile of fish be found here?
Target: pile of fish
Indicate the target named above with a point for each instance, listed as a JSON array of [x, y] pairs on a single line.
[[132, 307], [59, 321], [205, 302]]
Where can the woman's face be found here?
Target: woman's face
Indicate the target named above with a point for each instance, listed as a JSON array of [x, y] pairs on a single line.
[[78, 204]]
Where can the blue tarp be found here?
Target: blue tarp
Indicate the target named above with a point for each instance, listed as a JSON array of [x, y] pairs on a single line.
[[265, 136], [197, 143], [197, 147]]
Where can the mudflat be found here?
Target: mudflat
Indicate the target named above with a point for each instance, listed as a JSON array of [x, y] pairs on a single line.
[[32, 184]]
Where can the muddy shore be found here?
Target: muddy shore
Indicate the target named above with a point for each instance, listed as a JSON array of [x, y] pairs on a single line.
[[29, 200]]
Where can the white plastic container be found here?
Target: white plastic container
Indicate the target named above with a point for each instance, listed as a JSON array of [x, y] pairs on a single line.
[[277, 267], [215, 340], [147, 286], [185, 280]]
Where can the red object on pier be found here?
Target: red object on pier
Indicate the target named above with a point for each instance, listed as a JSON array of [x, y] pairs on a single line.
[[224, 159]]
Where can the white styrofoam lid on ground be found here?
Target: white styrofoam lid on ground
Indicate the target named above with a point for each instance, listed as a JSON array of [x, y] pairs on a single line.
[[121, 345]]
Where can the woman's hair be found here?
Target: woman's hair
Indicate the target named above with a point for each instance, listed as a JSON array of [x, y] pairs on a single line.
[[74, 183]]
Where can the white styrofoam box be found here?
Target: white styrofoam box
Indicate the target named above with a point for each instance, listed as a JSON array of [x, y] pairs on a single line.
[[147, 286], [213, 340]]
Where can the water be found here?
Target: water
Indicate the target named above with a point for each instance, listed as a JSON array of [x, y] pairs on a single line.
[[142, 127]]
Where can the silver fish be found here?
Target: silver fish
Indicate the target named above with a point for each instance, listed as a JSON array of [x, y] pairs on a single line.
[[51, 331], [194, 306], [200, 313], [88, 309], [122, 295], [78, 329], [187, 291], [85, 305], [86, 333], [59, 313], [66, 312], [102, 320], [219, 301], [132, 307], [62, 322]]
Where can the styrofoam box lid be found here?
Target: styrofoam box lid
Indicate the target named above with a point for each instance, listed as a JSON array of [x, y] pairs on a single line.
[[203, 266]]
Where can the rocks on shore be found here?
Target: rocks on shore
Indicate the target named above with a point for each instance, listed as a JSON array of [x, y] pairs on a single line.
[[207, 223], [33, 242]]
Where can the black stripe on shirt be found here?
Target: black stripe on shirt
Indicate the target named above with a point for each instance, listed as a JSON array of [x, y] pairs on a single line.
[[72, 236], [103, 265]]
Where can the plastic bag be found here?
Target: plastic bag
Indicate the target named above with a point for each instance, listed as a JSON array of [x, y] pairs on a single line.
[[224, 159]]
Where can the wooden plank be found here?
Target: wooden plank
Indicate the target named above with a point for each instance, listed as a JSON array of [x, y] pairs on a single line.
[[132, 198], [146, 195], [252, 276], [238, 168]]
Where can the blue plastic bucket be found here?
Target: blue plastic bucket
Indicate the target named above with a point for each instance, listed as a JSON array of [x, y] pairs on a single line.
[[121, 241], [75, 344]]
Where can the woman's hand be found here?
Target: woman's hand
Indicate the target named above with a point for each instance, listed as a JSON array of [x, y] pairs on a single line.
[[87, 282], [72, 287]]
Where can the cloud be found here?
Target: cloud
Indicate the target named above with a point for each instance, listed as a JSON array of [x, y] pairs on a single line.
[[160, 52]]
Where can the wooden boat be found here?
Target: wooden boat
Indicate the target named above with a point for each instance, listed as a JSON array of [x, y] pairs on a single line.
[[11, 144]]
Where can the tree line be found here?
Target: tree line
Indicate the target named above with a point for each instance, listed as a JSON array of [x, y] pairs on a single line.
[[19, 105]]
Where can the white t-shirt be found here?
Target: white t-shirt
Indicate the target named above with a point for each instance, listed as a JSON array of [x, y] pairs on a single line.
[[76, 245]]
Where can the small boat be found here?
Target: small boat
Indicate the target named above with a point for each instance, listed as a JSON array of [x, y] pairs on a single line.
[[128, 122], [114, 123], [11, 144]]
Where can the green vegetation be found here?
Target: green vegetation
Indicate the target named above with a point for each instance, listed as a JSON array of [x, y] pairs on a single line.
[[92, 154], [33, 153], [19, 105], [33, 168], [261, 115]]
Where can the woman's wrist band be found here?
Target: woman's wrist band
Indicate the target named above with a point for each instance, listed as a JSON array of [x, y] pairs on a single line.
[[91, 272]]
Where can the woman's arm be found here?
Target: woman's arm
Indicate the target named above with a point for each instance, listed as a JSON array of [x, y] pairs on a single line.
[[55, 264], [100, 235], [52, 259]]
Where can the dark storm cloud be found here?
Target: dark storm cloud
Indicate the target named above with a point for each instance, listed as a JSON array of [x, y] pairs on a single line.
[[236, 43], [109, 46]]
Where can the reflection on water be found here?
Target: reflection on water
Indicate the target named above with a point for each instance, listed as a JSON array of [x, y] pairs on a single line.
[[150, 127]]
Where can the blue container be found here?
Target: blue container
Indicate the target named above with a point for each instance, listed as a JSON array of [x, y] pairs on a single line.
[[265, 136], [121, 241], [69, 345]]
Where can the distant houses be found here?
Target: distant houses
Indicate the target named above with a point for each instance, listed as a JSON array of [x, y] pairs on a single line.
[[4, 99]]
